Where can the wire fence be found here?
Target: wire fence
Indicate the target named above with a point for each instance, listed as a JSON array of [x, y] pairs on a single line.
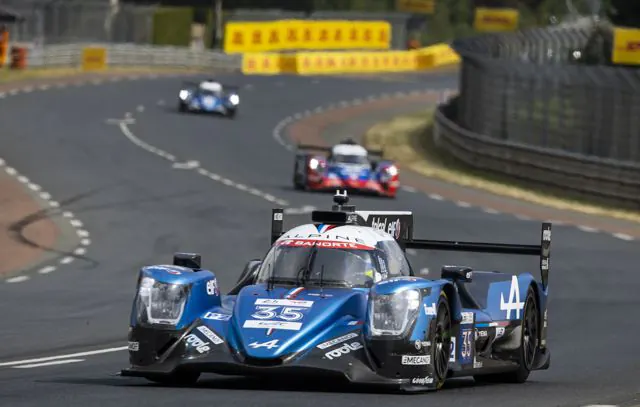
[[520, 88], [529, 113]]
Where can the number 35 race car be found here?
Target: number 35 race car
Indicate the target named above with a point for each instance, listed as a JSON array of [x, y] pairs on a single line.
[[338, 297], [346, 166]]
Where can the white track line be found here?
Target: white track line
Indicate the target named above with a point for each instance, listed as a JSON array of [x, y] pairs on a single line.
[[53, 363], [67, 356], [45, 196], [191, 164]]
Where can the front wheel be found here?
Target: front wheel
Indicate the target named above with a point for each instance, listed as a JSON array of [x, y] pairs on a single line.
[[231, 113], [441, 341], [529, 344], [176, 379]]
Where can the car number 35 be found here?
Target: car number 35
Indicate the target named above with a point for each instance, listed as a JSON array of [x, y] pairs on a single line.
[[284, 313]]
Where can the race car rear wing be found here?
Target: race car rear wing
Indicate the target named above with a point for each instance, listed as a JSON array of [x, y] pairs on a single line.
[[400, 225], [327, 149], [543, 250]]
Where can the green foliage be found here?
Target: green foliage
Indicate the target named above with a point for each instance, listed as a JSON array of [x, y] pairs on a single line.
[[172, 26]]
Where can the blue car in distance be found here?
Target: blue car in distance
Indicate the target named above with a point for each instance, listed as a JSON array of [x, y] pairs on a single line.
[[209, 97], [338, 298]]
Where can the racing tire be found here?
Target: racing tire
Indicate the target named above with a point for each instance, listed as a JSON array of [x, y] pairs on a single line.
[[231, 113], [176, 379], [182, 107], [529, 345], [440, 338]]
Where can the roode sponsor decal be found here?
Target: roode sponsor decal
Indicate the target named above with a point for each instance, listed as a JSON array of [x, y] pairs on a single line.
[[200, 345], [393, 228], [343, 350], [422, 380]]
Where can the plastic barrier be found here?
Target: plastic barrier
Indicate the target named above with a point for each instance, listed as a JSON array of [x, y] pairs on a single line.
[[94, 58], [496, 19], [323, 63], [243, 37], [335, 63], [626, 46], [262, 64]]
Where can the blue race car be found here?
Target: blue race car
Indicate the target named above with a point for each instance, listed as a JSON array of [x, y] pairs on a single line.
[[338, 298], [209, 97]]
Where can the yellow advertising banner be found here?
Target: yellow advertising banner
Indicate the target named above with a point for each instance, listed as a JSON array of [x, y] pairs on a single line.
[[241, 37], [316, 63], [416, 6], [94, 58], [496, 19], [626, 46], [349, 62], [261, 64]]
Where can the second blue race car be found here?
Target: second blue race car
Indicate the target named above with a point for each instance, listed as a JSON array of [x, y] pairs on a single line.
[[209, 97], [339, 298]]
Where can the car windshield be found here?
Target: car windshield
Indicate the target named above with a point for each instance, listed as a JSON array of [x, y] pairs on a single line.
[[351, 159], [210, 93], [316, 262]]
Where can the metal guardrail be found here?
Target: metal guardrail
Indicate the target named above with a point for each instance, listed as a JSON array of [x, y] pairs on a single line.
[[591, 176], [70, 55], [524, 112]]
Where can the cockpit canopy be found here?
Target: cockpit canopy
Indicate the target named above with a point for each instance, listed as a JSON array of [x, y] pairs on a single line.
[[332, 263], [349, 154]]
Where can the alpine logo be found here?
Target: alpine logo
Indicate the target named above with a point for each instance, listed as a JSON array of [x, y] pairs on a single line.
[[343, 350], [393, 228]]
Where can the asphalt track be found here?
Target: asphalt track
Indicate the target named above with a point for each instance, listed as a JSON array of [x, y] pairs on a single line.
[[140, 208]]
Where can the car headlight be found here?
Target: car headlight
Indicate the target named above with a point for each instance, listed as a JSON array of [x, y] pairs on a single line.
[[160, 303], [392, 170], [391, 314], [234, 99], [183, 94]]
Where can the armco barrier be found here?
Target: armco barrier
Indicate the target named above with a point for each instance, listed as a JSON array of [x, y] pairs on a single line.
[[71, 56], [333, 63], [609, 180]]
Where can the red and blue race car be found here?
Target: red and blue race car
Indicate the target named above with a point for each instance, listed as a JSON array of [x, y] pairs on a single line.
[[345, 166]]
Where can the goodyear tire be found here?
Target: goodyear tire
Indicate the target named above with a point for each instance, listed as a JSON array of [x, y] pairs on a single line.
[[176, 379], [440, 338], [529, 345], [182, 107]]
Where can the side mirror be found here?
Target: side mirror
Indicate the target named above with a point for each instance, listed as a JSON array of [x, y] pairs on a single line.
[[248, 276], [457, 273], [189, 260]]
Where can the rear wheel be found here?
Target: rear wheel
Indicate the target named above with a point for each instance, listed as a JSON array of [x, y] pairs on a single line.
[[529, 343], [182, 107], [176, 379], [441, 341]]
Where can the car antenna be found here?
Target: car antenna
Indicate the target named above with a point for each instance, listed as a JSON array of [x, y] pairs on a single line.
[[271, 280], [321, 277]]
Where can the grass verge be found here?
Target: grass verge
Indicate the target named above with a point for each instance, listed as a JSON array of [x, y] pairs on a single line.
[[408, 140]]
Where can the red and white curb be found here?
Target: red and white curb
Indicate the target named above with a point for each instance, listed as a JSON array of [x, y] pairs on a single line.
[[279, 135], [83, 235]]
